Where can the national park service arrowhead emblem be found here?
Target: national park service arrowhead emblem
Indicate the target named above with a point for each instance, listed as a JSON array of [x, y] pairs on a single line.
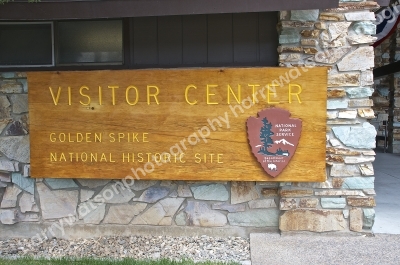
[[273, 138]]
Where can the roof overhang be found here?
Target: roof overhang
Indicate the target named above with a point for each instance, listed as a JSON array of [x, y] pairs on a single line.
[[84, 9]]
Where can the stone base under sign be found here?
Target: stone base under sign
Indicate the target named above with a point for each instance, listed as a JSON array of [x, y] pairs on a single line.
[[90, 231]]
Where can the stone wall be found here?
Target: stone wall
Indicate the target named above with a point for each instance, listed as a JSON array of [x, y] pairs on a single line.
[[337, 38]]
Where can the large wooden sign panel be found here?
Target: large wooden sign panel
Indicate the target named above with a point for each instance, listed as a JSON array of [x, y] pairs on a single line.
[[179, 124]]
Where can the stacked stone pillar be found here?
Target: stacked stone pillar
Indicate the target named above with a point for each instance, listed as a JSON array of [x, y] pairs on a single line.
[[340, 39]]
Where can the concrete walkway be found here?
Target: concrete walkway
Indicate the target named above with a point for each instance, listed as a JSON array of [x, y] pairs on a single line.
[[381, 248], [273, 249], [387, 187]]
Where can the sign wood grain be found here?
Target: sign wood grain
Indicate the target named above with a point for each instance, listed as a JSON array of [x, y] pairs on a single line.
[[183, 124]]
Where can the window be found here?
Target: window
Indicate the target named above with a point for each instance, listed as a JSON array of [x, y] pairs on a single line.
[[26, 44], [82, 42]]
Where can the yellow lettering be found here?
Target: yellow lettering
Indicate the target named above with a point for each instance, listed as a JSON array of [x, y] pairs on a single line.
[[120, 136], [55, 99], [84, 95], [197, 158], [210, 94], [186, 95], [62, 158], [103, 157], [127, 158], [100, 96], [155, 158], [61, 137], [238, 97], [69, 96], [88, 137], [273, 93], [254, 92], [93, 157], [112, 161], [113, 94], [52, 137], [219, 158], [167, 157], [53, 157], [294, 94], [127, 95], [111, 135], [181, 158], [79, 137], [97, 137], [140, 156], [154, 95], [145, 137]]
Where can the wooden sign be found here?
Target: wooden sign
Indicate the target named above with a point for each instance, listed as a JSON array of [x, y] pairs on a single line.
[[178, 124]]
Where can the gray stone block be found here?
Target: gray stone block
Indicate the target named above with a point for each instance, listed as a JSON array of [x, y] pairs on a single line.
[[304, 15], [114, 193], [8, 217], [243, 191], [337, 104], [153, 194], [4, 108], [364, 27], [180, 219], [359, 183], [10, 197], [333, 203], [123, 214], [143, 184], [199, 214], [19, 103], [256, 218], [369, 218], [357, 137], [160, 213], [359, 92], [289, 35], [93, 183], [57, 203], [58, 184], [27, 184], [15, 147], [11, 86], [91, 213], [213, 192]]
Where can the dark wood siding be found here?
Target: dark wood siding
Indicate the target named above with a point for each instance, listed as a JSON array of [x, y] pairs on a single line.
[[244, 39]]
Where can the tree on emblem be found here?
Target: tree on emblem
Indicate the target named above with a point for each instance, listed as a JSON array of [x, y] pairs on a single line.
[[265, 137]]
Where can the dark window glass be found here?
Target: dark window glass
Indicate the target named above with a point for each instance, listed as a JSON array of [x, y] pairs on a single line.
[[26, 44], [82, 42], [245, 39]]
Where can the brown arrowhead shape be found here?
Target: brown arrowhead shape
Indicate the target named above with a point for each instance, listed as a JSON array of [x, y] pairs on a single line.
[[273, 138]]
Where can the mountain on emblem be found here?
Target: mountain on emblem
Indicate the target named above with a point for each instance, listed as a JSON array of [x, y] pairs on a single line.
[[273, 138]]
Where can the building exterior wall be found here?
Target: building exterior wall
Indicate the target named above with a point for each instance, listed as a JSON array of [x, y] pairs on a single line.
[[338, 38], [382, 87]]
